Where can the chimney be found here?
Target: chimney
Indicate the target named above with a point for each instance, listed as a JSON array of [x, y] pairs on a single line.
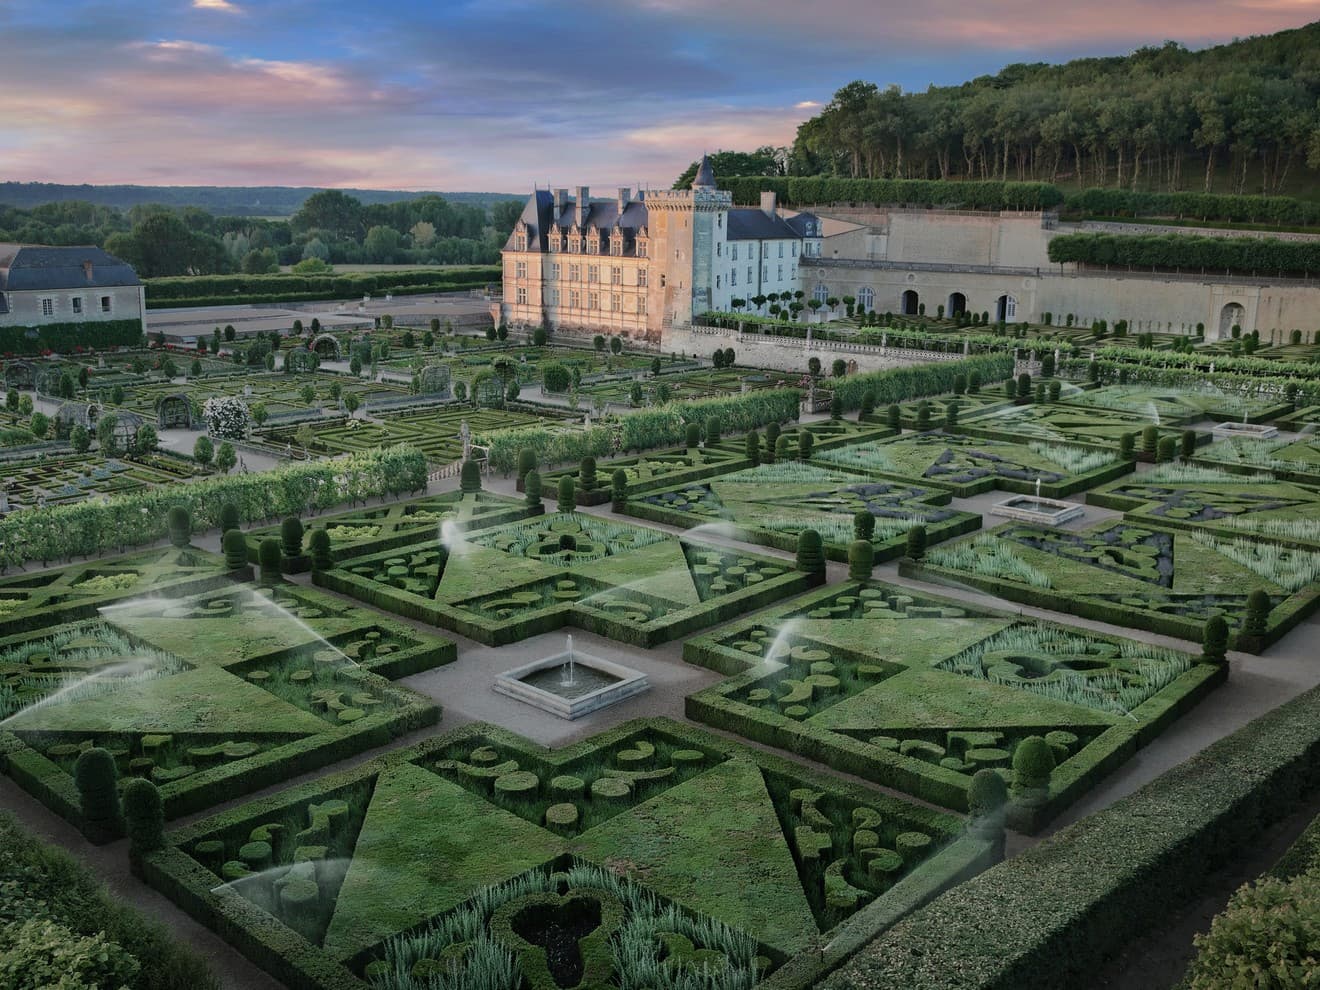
[[87, 270], [768, 203], [561, 196], [583, 205], [625, 197]]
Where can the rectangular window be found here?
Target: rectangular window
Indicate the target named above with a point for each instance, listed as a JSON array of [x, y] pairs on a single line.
[[554, 297], [733, 277], [48, 307], [521, 296], [641, 305], [593, 300], [750, 274], [781, 249], [593, 273], [520, 269], [662, 280], [616, 275], [780, 276], [77, 304], [641, 277], [105, 304], [765, 273], [717, 281], [735, 252], [795, 249], [641, 249], [575, 273], [574, 299], [554, 271], [615, 305], [719, 250]]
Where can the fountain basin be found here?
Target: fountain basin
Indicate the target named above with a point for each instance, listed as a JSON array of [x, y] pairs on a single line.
[[1253, 431], [596, 684], [1039, 510]]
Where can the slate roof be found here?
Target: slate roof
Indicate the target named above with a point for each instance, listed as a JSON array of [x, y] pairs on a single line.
[[29, 267], [539, 213], [705, 174], [755, 225]]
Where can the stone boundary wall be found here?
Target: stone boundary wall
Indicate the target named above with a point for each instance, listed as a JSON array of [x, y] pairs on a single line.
[[792, 353]]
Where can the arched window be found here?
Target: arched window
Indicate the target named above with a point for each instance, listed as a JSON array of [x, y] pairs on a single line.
[[866, 299], [1006, 309], [820, 293], [910, 302]]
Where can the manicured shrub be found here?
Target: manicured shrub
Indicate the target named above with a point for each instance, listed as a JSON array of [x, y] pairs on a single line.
[[713, 426], [1166, 449], [693, 436], [959, 384], [805, 441], [951, 414], [868, 402], [1056, 389], [973, 383], [1033, 762], [863, 525], [1039, 395], [97, 780], [1150, 438], [1024, 387], [1214, 640], [144, 816], [836, 408], [567, 496], [1258, 613], [1093, 371], [810, 552], [469, 479], [893, 416], [861, 558], [923, 415], [587, 474], [180, 526], [1047, 366], [619, 484], [781, 449], [532, 488], [987, 793], [916, 543], [526, 462], [1188, 443], [269, 556], [229, 518], [319, 545], [771, 436], [1126, 446], [753, 447], [291, 536], [235, 547]]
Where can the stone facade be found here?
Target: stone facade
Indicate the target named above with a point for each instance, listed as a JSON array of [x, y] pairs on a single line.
[[40, 286]]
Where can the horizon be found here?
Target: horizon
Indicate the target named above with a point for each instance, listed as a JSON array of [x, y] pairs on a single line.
[[232, 93]]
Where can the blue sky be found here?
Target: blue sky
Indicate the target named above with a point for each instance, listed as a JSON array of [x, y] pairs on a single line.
[[501, 94]]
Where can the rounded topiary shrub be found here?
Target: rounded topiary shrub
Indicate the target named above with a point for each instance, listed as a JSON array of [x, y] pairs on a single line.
[[1033, 762], [923, 415], [526, 462], [269, 556], [567, 495], [179, 522], [894, 416], [810, 552], [1150, 437], [693, 436], [469, 479], [836, 407], [532, 488], [1258, 613], [868, 403], [987, 793], [1127, 444], [771, 435], [291, 536], [752, 447], [144, 815], [805, 442], [861, 558], [1214, 640], [229, 518], [97, 780], [951, 413], [1188, 443], [587, 474], [1024, 387], [781, 448], [619, 489], [974, 383], [959, 384], [916, 543], [234, 545], [713, 427], [567, 541], [863, 525], [1166, 449], [319, 544]]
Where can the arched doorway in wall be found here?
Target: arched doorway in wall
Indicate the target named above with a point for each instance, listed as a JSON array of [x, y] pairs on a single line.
[[957, 304], [1005, 309], [1230, 316], [910, 302]]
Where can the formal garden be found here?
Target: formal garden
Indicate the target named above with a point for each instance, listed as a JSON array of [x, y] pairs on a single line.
[[219, 669]]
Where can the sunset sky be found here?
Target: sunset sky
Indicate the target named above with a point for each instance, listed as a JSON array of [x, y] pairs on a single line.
[[495, 95]]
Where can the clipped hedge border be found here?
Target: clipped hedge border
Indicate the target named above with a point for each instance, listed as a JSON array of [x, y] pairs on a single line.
[[302, 966], [1109, 750], [1286, 615], [549, 482], [1111, 876]]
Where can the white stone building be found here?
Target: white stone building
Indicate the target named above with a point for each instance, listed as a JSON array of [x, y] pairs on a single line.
[[40, 286]]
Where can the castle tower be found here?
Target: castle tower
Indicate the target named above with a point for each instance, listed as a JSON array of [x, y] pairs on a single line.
[[683, 224]]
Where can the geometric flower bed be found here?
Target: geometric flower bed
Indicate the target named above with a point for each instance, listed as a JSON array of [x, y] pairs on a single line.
[[652, 855], [1180, 406], [647, 472], [771, 504], [918, 693], [509, 582], [67, 479], [209, 694], [382, 527], [968, 466], [1294, 459], [1143, 576], [1061, 422]]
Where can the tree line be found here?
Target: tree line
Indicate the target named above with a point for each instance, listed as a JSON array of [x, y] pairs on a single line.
[[1240, 117], [329, 228]]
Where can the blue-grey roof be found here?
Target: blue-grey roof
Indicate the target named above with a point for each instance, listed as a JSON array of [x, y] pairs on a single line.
[[705, 176], [753, 224], [799, 223], [602, 214], [31, 267]]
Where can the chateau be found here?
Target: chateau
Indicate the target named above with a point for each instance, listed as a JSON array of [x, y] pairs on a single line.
[[635, 265]]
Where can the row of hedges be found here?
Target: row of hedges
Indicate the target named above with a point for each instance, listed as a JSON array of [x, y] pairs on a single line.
[[1240, 254], [99, 525], [1222, 363], [60, 927], [1308, 391], [64, 338], [1280, 210], [1111, 877], [918, 381], [645, 429], [288, 286], [814, 190]]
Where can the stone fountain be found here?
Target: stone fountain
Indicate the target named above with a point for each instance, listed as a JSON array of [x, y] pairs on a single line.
[[1037, 509], [572, 683]]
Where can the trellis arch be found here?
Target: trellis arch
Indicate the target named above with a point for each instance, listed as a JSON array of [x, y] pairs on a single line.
[[435, 379], [174, 412], [21, 375], [326, 345]]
